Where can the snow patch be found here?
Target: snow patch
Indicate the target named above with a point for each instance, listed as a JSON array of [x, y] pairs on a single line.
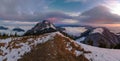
[[14, 54], [98, 30], [78, 53], [80, 39]]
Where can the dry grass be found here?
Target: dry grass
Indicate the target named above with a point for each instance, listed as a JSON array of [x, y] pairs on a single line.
[[55, 50], [15, 42]]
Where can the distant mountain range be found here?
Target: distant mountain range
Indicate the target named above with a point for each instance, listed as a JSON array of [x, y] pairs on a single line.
[[3, 28], [18, 30], [102, 37], [95, 36], [7, 31]]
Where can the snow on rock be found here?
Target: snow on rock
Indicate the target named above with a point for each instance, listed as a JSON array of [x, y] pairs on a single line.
[[69, 47], [75, 31], [78, 53], [98, 30], [13, 48], [80, 39]]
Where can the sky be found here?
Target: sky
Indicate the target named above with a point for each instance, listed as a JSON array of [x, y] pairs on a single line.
[[83, 12]]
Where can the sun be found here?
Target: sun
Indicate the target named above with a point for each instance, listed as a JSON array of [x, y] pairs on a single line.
[[114, 7]]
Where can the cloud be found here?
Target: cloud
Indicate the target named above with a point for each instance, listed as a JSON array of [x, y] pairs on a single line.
[[17, 23], [61, 15], [37, 10], [100, 14], [73, 13], [69, 21], [22, 9], [114, 6], [29, 10]]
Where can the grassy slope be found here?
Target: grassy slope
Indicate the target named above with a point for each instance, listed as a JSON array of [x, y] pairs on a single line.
[[55, 50]]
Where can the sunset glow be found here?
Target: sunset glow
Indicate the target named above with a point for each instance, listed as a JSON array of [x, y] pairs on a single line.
[[106, 25]]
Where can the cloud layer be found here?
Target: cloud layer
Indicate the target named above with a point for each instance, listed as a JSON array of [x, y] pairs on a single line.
[[22, 9], [100, 14], [36, 10]]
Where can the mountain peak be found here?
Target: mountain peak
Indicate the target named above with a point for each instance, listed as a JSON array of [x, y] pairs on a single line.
[[42, 27], [45, 21]]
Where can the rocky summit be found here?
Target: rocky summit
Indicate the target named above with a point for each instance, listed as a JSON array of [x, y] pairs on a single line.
[[42, 27]]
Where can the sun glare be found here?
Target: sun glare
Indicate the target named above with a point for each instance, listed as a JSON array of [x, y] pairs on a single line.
[[114, 7]]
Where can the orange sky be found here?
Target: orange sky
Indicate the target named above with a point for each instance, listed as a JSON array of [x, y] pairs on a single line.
[[106, 25]]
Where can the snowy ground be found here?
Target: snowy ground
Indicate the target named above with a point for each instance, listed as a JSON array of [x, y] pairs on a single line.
[[12, 49], [101, 54]]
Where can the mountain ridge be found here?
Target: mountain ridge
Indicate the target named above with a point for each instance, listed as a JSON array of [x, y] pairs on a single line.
[[55, 47]]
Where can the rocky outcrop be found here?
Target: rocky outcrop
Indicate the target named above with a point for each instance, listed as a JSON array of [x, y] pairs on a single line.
[[41, 28]]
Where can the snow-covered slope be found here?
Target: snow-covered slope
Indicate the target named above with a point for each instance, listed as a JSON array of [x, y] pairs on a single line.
[[101, 54], [98, 54], [100, 37], [55, 47], [12, 49]]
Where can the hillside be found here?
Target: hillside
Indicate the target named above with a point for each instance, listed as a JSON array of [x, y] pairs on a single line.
[[53, 47], [59, 48]]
